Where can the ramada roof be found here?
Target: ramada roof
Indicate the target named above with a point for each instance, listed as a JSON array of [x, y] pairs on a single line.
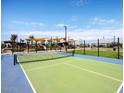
[[42, 39]]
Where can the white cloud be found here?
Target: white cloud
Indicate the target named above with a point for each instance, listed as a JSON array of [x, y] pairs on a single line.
[[74, 18], [101, 21], [84, 34], [68, 26], [73, 27], [78, 3], [91, 34], [74, 31], [36, 24], [20, 22], [28, 23], [61, 25]]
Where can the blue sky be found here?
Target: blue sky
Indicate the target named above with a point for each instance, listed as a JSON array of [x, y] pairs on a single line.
[[86, 19]]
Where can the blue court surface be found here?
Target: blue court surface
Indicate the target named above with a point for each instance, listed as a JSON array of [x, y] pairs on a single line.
[[13, 79]]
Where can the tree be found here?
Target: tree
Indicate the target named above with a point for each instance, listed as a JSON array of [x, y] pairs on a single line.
[[2, 45], [31, 38], [13, 39]]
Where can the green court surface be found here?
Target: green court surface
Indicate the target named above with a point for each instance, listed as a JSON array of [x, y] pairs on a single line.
[[72, 75]]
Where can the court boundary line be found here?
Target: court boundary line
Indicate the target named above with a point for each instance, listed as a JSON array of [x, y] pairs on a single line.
[[119, 89], [27, 78], [99, 74]]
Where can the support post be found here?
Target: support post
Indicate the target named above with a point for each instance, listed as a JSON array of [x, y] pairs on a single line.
[[36, 47], [65, 33], [98, 47], [15, 59], [20, 45], [84, 47], [118, 48], [65, 38], [51, 44], [28, 46], [114, 41], [74, 49], [17, 46], [60, 49], [56, 42], [12, 47]]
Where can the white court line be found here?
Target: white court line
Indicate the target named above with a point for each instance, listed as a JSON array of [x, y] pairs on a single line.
[[28, 79], [119, 89], [99, 74], [33, 69]]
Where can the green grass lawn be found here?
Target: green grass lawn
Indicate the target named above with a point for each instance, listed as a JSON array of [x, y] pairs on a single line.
[[73, 75], [110, 54]]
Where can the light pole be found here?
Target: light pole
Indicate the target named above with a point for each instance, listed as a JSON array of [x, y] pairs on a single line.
[[65, 33], [114, 40]]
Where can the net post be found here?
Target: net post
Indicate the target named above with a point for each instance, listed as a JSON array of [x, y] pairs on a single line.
[[118, 49], [15, 59], [84, 47], [98, 47]]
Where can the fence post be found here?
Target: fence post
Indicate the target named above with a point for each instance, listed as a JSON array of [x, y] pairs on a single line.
[[36, 47], [74, 49], [51, 44], [12, 47], [66, 43], [28, 46], [118, 48], [20, 45], [98, 47], [65, 38], [84, 47], [60, 49]]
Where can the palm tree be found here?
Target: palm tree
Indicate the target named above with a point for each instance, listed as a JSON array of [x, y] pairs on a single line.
[[13, 39], [31, 38]]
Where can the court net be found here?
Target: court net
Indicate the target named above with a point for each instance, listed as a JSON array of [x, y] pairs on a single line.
[[37, 57]]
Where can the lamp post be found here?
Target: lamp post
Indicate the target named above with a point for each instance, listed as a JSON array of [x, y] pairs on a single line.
[[65, 33]]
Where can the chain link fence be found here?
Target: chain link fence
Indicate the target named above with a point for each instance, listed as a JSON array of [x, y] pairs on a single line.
[[112, 48]]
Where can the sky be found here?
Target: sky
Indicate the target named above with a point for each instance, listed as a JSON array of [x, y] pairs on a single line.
[[85, 19]]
